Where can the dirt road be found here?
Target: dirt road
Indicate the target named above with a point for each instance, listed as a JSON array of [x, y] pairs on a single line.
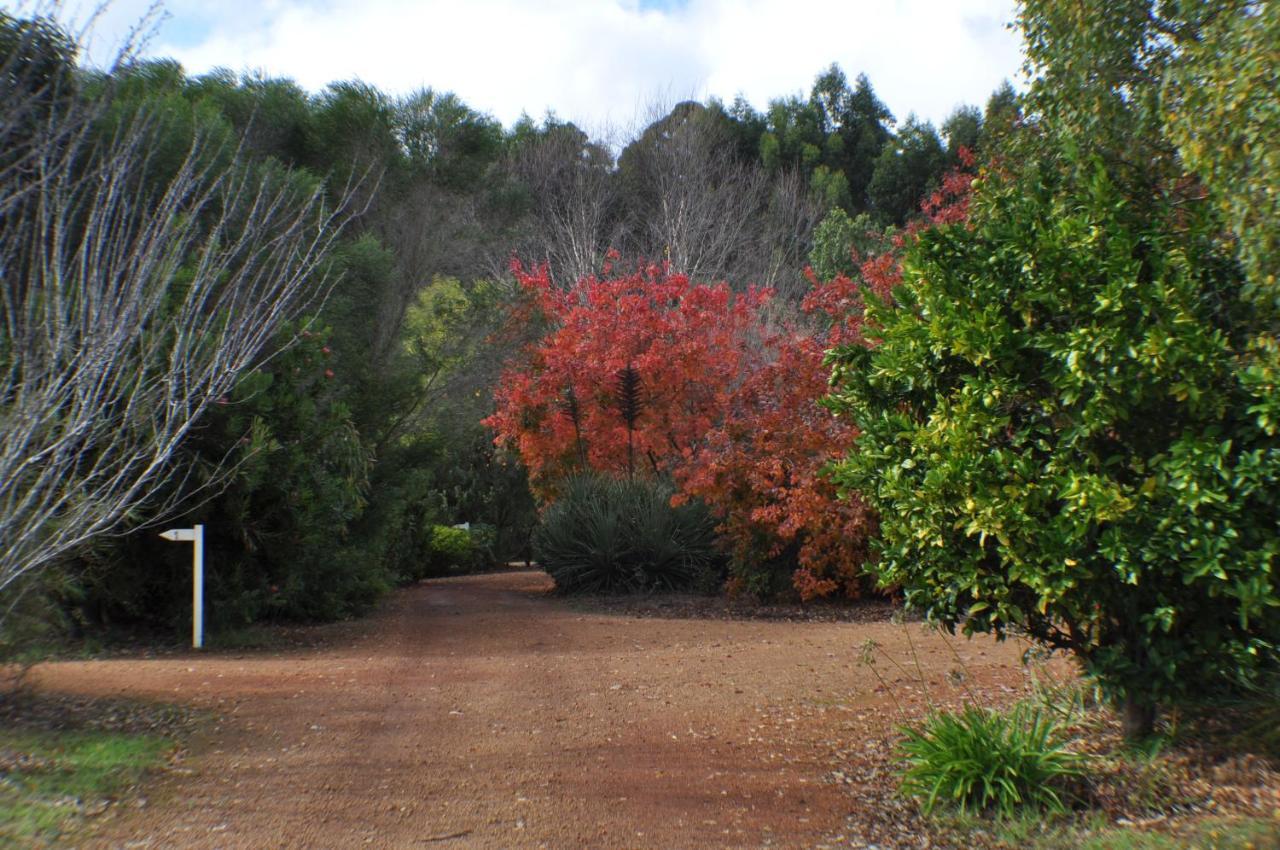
[[481, 713]]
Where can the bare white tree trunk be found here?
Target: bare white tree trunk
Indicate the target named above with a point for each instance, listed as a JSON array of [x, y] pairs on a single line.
[[694, 203], [131, 298], [575, 199]]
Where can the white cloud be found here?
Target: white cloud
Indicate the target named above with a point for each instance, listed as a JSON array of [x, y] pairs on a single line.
[[599, 61]]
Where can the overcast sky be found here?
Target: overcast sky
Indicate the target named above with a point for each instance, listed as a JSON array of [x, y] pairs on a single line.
[[599, 63]]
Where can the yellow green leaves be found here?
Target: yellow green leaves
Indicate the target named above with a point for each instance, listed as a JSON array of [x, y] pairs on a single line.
[[1224, 115], [1099, 477]]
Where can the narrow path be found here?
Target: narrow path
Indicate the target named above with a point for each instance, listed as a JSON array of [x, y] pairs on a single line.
[[481, 713]]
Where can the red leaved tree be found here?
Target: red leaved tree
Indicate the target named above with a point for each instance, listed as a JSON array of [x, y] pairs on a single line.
[[632, 373]]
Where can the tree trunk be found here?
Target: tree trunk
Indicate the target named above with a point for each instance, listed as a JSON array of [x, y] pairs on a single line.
[[1138, 716]]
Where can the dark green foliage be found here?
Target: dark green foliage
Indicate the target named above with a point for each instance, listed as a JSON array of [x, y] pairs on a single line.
[[273, 116], [37, 57], [353, 130], [607, 535], [452, 142], [1001, 116], [983, 761], [36, 617], [277, 533], [863, 122], [764, 577], [743, 124], [834, 137], [962, 129], [906, 171], [484, 545]]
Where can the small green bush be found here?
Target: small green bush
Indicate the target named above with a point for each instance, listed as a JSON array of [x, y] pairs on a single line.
[[981, 760], [449, 550], [609, 535]]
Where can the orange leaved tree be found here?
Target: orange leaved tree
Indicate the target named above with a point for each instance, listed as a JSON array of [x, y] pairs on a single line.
[[633, 371]]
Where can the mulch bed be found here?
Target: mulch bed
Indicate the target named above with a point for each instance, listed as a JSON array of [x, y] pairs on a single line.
[[689, 606]]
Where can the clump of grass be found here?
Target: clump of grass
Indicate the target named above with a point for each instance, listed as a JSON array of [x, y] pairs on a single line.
[[51, 780], [981, 761]]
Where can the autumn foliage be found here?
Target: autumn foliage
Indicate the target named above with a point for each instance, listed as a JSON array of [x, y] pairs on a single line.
[[762, 468], [649, 373], [689, 345]]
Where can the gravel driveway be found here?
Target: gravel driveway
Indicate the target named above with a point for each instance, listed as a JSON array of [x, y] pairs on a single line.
[[481, 712]]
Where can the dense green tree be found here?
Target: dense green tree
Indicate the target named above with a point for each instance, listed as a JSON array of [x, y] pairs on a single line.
[[1001, 115], [906, 170], [834, 137], [278, 529], [863, 128], [962, 129], [272, 116], [744, 125], [794, 138], [1063, 425], [444, 135]]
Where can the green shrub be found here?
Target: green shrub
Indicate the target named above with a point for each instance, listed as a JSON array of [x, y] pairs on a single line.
[[982, 760], [608, 535], [1069, 418], [449, 550], [484, 543]]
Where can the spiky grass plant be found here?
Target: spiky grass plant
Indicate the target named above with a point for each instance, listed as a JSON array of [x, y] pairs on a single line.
[[982, 761], [609, 535]]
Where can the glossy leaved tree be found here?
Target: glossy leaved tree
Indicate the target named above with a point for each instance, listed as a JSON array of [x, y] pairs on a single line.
[[1064, 423]]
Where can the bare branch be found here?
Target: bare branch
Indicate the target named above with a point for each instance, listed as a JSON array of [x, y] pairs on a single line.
[[134, 296]]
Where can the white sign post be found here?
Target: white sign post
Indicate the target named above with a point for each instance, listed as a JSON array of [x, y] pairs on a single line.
[[196, 537]]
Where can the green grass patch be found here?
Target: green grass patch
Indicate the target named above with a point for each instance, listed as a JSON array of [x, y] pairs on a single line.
[[50, 781], [1207, 834]]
